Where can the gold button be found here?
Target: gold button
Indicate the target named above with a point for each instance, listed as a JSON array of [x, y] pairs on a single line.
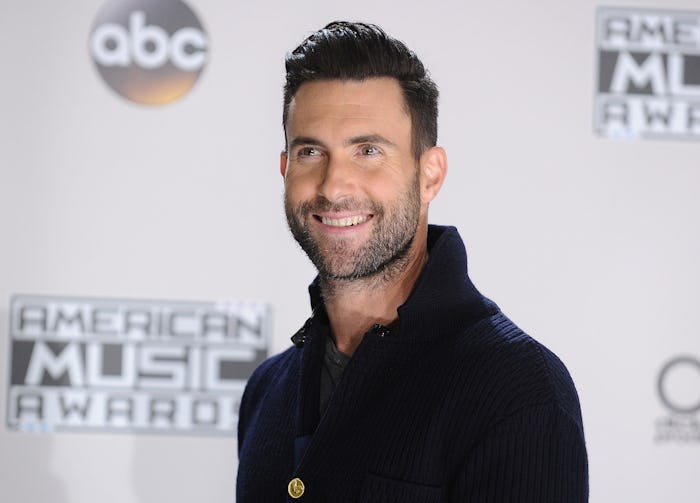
[[295, 488]]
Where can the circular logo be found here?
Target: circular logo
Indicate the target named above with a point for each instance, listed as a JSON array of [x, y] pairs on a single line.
[[679, 385], [148, 51]]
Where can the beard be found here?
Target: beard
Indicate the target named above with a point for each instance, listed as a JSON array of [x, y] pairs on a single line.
[[384, 251]]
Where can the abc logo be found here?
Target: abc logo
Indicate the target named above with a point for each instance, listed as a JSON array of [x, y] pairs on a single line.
[[150, 52], [679, 385]]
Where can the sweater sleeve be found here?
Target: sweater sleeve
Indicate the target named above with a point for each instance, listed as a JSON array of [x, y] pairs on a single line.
[[536, 455]]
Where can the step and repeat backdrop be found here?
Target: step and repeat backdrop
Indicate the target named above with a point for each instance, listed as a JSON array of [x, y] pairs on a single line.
[[146, 268]]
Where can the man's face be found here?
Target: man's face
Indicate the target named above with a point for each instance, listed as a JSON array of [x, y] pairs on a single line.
[[352, 193]]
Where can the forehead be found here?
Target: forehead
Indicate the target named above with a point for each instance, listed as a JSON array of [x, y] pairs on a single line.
[[347, 102]]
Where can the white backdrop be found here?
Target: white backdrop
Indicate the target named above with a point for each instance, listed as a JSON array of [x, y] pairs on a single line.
[[590, 244]]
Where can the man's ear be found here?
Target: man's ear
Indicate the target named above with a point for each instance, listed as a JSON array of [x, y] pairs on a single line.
[[283, 163], [433, 170]]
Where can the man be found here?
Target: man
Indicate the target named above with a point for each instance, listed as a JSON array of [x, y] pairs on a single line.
[[405, 384]]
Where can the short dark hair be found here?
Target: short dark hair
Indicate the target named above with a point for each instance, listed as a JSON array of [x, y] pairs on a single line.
[[357, 51]]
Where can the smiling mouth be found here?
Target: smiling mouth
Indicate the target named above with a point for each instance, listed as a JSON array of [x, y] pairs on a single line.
[[343, 222]]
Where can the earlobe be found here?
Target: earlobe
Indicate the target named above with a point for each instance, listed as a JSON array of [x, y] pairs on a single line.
[[283, 163], [433, 165]]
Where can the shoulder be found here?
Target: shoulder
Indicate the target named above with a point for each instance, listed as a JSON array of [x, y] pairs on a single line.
[[272, 370], [271, 376], [529, 432], [514, 370]]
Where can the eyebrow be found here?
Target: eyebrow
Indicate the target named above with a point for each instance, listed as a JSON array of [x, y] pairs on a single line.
[[369, 138], [305, 140], [364, 138]]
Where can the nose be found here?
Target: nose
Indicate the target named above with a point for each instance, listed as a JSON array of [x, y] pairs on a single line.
[[338, 180]]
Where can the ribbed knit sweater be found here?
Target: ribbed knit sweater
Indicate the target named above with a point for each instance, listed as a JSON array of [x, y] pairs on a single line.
[[456, 405]]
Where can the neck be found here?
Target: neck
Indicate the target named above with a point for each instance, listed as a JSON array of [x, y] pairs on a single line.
[[353, 306]]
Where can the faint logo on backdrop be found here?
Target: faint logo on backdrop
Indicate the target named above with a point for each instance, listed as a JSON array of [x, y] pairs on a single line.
[[150, 52], [678, 387], [648, 73], [82, 364]]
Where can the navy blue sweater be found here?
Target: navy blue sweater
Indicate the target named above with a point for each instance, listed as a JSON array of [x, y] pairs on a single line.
[[457, 404]]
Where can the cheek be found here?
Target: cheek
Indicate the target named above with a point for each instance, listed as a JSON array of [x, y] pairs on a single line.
[[299, 187], [389, 185], [382, 190]]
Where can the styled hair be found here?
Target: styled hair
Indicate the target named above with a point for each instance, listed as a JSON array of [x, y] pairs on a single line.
[[358, 51]]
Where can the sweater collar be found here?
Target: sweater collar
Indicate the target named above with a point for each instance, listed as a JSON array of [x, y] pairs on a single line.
[[443, 299]]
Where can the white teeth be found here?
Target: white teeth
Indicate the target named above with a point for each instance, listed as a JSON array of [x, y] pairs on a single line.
[[344, 222]]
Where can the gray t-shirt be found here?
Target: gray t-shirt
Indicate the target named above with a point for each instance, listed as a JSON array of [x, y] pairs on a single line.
[[334, 362]]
